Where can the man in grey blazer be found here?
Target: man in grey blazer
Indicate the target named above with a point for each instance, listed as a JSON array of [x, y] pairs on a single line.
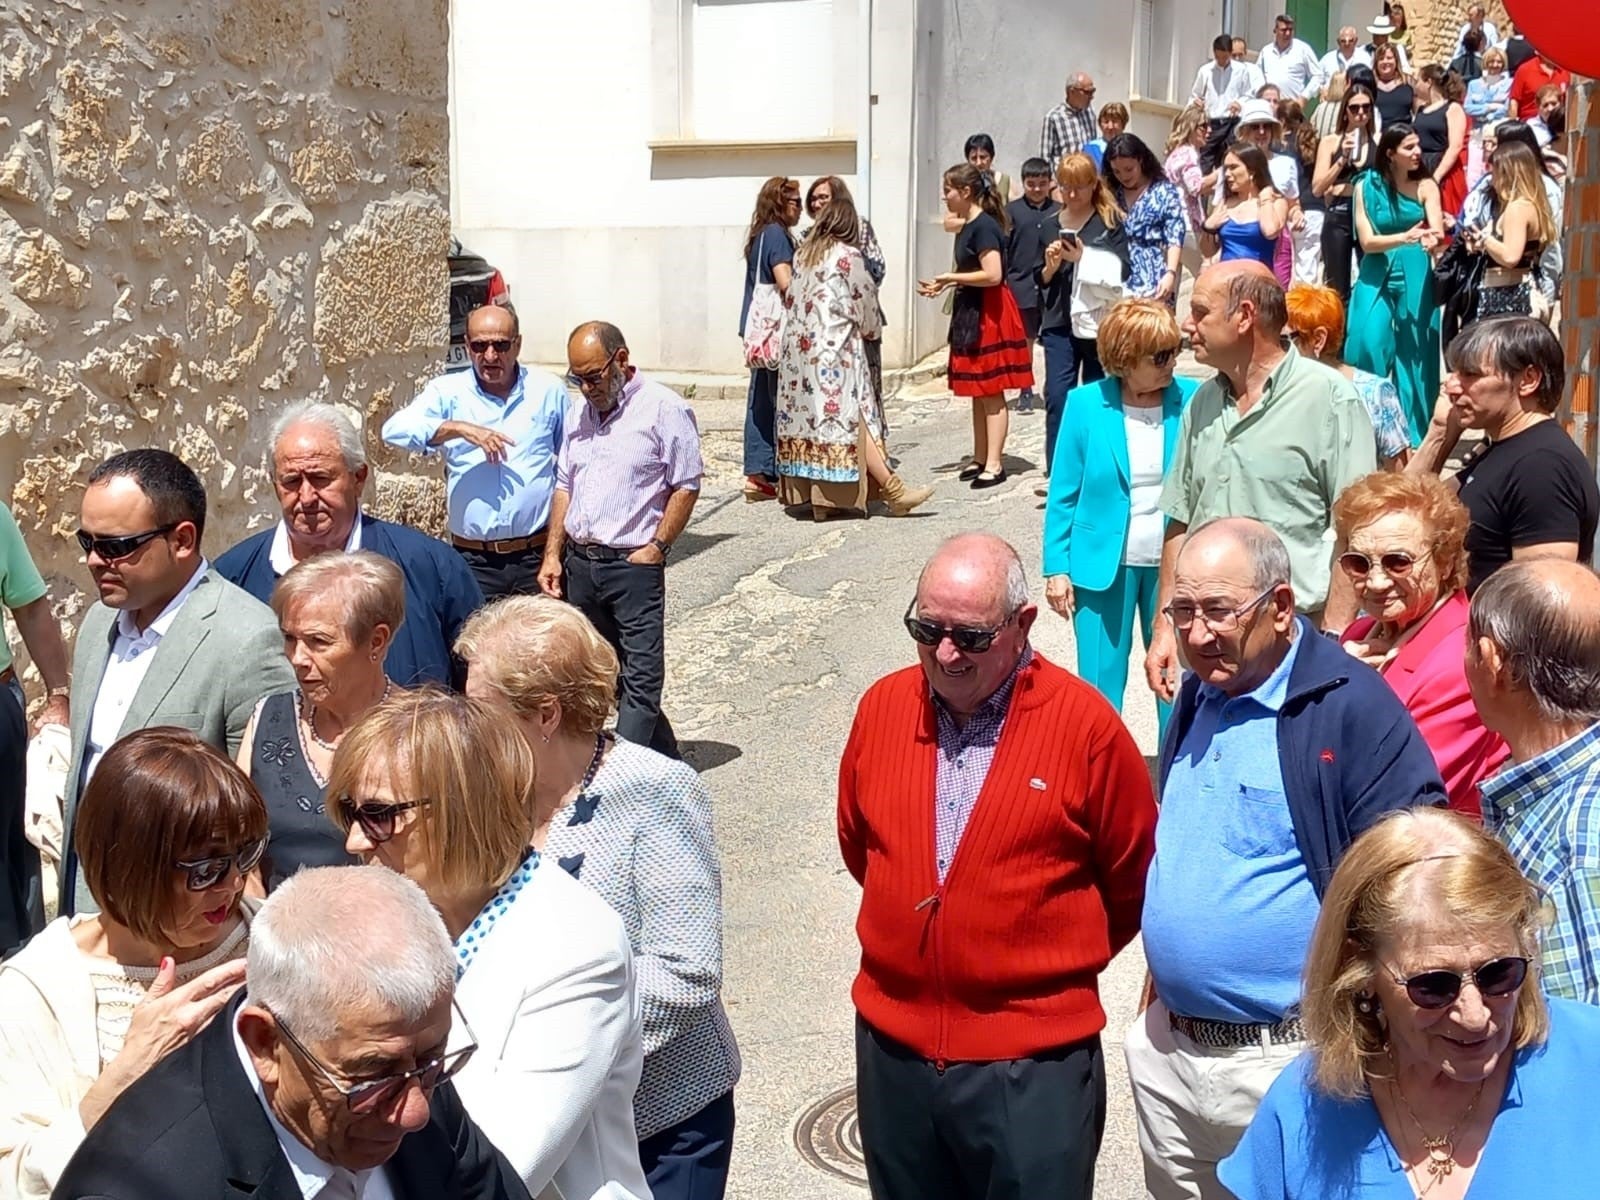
[[170, 642]]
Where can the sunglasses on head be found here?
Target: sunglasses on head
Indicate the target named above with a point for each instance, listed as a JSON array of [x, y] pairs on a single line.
[[375, 817], [1396, 564], [967, 639], [1439, 989], [484, 345], [206, 873], [109, 549]]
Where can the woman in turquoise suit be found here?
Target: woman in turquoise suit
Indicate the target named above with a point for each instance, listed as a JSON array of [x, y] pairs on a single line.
[[1103, 524], [1394, 318]]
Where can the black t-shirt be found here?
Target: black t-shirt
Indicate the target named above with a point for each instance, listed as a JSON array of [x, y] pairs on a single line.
[[976, 237], [1532, 487]]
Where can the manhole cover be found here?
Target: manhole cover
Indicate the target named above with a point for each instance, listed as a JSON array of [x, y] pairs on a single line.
[[828, 1136]]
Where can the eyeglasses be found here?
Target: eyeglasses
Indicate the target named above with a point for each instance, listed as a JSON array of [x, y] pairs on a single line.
[[1162, 358], [1439, 989], [109, 549], [593, 379], [1087, 91], [964, 638], [376, 819], [370, 1095], [205, 873], [484, 345], [1396, 564], [1216, 618]]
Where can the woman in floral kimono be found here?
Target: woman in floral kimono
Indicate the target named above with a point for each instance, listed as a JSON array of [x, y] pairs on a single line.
[[829, 425]]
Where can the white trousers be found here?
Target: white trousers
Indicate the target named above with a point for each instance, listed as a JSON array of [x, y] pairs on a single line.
[[1308, 249], [1193, 1103]]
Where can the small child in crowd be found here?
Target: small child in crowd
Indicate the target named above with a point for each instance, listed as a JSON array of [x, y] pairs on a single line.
[[1029, 214]]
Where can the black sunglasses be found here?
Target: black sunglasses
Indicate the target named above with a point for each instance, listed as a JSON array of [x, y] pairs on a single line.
[[1396, 564], [593, 379], [484, 345], [376, 820], [109, 549], [206, 873], [964, 638], [371, 1095], [1162, 357], [1439, 989]]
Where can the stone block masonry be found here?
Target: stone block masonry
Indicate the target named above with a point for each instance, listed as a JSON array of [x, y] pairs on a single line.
[[210, 209]]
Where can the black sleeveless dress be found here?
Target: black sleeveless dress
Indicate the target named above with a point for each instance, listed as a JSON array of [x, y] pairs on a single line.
[[300, 830]]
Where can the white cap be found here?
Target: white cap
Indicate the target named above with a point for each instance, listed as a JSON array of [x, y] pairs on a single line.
[[1257, 112]]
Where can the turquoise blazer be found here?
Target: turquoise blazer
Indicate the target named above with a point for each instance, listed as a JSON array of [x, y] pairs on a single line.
[[1086, 516]]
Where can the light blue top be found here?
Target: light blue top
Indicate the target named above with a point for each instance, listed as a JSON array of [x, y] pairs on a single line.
[[1489, 100], [488, 501], [1229, 906], [1304, 1145], [1086, 516]]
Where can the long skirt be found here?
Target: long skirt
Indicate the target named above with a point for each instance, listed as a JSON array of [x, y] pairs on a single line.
[[1000, 360]]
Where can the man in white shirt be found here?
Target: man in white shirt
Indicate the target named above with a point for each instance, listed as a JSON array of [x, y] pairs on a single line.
[[1221, 87], [1347, 53], [1475, 20], [1291, 64]]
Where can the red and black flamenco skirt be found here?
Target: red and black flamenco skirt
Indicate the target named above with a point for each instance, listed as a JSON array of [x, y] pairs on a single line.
[[998, 357]]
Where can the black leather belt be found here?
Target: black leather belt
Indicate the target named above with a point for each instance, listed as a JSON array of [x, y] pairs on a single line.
[[1223, 1035], [595, 552], [501, 545]]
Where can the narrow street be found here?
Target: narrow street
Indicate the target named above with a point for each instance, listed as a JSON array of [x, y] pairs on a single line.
[[775, 627]]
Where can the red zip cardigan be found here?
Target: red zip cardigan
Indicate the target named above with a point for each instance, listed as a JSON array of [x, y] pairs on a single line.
[[1047, 884]]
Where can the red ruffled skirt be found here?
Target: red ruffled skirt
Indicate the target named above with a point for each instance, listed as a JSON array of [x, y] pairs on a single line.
[[1000, 360]]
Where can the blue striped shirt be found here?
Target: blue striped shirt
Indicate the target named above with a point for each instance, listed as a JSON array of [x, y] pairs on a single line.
[[1547, 812]]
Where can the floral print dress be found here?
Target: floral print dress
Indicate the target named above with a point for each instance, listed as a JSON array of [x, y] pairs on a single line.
[[1156, 222]]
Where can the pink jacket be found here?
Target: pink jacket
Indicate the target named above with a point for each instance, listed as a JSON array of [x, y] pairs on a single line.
[[1429, 675]]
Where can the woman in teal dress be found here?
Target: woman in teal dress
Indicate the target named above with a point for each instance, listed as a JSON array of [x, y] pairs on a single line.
[[1394, 318]]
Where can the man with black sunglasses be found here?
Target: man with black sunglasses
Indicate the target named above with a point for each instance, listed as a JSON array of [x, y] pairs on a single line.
[[998, 817], [498, 428], [328, 1081], [170, 642]]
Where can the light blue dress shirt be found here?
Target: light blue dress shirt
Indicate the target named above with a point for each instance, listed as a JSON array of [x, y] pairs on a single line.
[[490, 501], [1229, 906]]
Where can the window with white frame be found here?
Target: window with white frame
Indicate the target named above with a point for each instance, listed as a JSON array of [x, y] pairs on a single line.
[[761, 69], [1157, 73]]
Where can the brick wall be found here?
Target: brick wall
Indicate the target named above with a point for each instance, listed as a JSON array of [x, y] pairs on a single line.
[[1580, 301]]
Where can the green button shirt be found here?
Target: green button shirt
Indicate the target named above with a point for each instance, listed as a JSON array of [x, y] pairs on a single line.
[[1283, 463]]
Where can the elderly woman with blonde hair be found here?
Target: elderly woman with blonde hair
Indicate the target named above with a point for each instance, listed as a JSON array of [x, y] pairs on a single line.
[[1435, 1066], [636, 827], [440, 788], [1103, 525], [338, 613]]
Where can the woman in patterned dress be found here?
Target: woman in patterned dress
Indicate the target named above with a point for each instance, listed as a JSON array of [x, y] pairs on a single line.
[[635, 826], [1155, 223], [828, 424]]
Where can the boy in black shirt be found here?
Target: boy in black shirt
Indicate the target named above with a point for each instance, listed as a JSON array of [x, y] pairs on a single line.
[[1025, 251]]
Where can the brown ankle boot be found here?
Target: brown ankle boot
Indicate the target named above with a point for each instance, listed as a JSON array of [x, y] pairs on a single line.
[[901, 499]]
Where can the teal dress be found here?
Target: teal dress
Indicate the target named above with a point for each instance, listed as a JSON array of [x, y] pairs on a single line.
[[1394, 319]]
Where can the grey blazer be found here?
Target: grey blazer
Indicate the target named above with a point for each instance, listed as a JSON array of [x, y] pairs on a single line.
[[223, 653]]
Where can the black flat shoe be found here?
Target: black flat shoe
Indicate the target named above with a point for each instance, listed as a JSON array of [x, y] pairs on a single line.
[[986, 480], [970, 472]]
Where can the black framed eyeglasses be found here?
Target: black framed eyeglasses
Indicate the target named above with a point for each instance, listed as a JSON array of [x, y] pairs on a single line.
[[484, 345], [1216, 617], [206, 873], [370, 1095], [965, 638], [1439, 989], [1396, 564], [109, 549], [593, 379], [375, 817]]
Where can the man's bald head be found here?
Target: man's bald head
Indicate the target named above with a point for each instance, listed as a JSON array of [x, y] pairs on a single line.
[[973, 590], [597, 358], [602, 334], [493, 321], [1542, 617], [1238, 546], [1242, 282], [982, 565]]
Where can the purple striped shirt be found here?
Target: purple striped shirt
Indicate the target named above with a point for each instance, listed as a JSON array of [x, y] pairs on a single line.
[[619, 469]]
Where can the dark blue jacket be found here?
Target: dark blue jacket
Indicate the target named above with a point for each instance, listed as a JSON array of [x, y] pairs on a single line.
[[1348, 749], [441, 593]]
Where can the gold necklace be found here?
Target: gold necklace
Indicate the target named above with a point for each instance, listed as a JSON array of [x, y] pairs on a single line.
[[1441, 1151]]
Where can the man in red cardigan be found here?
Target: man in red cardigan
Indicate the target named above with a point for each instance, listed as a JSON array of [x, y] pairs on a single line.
[[1000, 821]]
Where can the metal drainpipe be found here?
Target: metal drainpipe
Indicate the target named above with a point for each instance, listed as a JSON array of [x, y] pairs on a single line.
[[1227, 16]]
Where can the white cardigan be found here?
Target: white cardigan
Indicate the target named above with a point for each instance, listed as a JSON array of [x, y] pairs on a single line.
[[551, 1000]]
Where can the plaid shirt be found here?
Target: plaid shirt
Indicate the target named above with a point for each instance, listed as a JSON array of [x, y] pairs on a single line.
[[1067, 130], [1547, 812], [965, 752]]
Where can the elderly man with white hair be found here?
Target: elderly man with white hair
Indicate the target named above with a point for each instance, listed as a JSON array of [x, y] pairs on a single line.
[[328, 1081], [319, 468]]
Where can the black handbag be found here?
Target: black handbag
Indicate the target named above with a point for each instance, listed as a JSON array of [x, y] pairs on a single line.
[[966, 319], [1457, 279]]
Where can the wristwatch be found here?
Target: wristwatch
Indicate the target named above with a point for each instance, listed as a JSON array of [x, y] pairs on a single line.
[[664, 547]]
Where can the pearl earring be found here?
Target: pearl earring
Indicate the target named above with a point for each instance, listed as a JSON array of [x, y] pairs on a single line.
[[1366, 1005]]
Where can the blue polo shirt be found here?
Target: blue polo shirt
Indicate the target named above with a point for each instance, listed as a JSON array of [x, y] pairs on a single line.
[[1229, 906]]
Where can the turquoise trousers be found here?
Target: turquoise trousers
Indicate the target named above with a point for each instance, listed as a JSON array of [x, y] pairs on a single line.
[[1103, 624]]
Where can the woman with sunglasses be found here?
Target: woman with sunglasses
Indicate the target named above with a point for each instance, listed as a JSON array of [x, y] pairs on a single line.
[[1404, 539], [167, 829], [442, 789], [1103, 525], [1435, 1067], [1342, 156]]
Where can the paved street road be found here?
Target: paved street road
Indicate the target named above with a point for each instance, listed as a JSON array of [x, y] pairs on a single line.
[[775, 627]]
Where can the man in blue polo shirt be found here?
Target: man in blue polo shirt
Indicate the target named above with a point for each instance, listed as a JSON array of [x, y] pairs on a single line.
[[1282, 748]]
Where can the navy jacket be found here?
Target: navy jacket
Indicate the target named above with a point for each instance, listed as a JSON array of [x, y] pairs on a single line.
[[441, 593], [1348, 748]]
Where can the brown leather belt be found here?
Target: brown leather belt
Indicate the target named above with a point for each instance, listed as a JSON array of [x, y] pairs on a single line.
[[501, 545], [9, 674]]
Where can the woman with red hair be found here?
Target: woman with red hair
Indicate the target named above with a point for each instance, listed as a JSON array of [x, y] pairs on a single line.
[[1316, 325]]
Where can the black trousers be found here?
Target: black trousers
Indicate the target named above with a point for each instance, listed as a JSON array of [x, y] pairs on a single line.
[[689, 1160], [1020, 1129], [21, 905], [514, 574], [1338, 243], [627, 603], [1222, 135]]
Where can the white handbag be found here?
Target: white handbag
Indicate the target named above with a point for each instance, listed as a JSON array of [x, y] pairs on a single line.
[[763, 326]]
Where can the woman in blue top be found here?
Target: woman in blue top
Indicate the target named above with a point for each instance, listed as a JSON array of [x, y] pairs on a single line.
[[1436, 1067], [1252, 213], [768, 258], [1103, 525]]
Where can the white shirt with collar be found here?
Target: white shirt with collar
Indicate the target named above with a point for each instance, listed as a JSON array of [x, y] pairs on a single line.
[[1218, 87], [1297, 70], [131, 656], [310, 1173], [282, 557], [1334, 63]]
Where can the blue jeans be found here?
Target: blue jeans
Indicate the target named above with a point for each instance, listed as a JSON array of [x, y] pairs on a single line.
[[1102, 623], [760, 451], [689, 1160], [1065, 356]]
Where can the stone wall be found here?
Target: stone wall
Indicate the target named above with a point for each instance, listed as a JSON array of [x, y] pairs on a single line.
[[210, 209], [1580, 301], [1436, 24]]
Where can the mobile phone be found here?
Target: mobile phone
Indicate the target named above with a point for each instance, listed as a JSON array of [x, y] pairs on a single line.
[[1069, 237]]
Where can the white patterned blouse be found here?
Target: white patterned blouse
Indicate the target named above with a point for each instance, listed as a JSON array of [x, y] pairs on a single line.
[[641, 836]]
